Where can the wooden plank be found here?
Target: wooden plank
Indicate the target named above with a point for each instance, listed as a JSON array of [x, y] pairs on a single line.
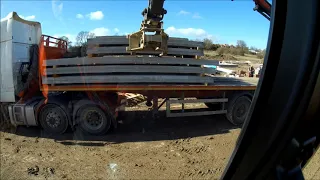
[[108, 60], [122, 40], [122, 50], [197, 101], [126, 79], [202, 113], [127, 69]]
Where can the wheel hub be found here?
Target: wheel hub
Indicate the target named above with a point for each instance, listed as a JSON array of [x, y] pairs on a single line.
[[241, 110], [94, 119], [53, 119]]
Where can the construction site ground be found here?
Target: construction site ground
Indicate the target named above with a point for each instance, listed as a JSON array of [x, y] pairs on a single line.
[[167, 148]]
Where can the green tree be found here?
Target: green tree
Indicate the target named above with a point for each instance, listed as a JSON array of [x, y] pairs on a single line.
[[241, 44], [66, 39], [82, 37], [207, 43]]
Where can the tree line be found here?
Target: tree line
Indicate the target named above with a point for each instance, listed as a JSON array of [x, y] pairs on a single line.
[[240, 48], [81, 39]]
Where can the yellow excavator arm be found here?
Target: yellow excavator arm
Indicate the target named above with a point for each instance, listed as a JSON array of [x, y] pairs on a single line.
[[151, 36]]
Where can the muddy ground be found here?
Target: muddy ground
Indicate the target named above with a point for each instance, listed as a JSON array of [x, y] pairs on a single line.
[[168, 148]]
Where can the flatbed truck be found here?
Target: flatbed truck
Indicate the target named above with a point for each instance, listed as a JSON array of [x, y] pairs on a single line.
[[42, 85]]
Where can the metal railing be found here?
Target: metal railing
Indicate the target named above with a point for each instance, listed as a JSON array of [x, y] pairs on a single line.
[[49, 41]]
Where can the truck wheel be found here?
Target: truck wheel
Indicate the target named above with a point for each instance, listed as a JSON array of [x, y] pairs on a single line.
[[93, 120], [53, 119], [238, 109]]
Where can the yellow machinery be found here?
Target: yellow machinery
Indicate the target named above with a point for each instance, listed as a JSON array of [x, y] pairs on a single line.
[[151, 36]]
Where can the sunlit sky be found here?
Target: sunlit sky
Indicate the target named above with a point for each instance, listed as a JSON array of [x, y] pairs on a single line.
[[222, 21]]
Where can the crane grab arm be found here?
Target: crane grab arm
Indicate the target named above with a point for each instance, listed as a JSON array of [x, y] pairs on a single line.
[[144, 40]]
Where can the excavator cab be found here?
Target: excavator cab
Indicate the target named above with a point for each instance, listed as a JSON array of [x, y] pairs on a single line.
[[151, 36]]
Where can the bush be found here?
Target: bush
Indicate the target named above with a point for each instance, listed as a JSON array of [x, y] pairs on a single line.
[[223, 50], [220, 50], [246, 50], [237, 51], [260, 55], [214, 47], [241, 52], [234, 51]]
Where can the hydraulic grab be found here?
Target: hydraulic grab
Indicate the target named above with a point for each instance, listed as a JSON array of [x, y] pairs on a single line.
[[152, 23]]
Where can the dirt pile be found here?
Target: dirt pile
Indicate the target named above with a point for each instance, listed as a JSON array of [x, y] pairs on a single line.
[[179, 148]]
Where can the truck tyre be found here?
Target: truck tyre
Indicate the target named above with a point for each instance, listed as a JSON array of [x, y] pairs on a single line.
[[53, 119], [238, 109], [93, 120]]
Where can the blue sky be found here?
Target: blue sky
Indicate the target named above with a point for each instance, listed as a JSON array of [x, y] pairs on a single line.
[[223, 21]]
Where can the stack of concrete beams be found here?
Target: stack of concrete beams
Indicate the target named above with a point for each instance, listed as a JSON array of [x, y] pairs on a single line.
[[116, 45], [109, 63]]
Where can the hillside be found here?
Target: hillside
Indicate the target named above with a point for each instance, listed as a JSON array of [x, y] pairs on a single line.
[[253, 59], [209, 54]]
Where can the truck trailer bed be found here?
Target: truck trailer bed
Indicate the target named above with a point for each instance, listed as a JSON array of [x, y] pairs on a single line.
[[109, 67], [225, 83]]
